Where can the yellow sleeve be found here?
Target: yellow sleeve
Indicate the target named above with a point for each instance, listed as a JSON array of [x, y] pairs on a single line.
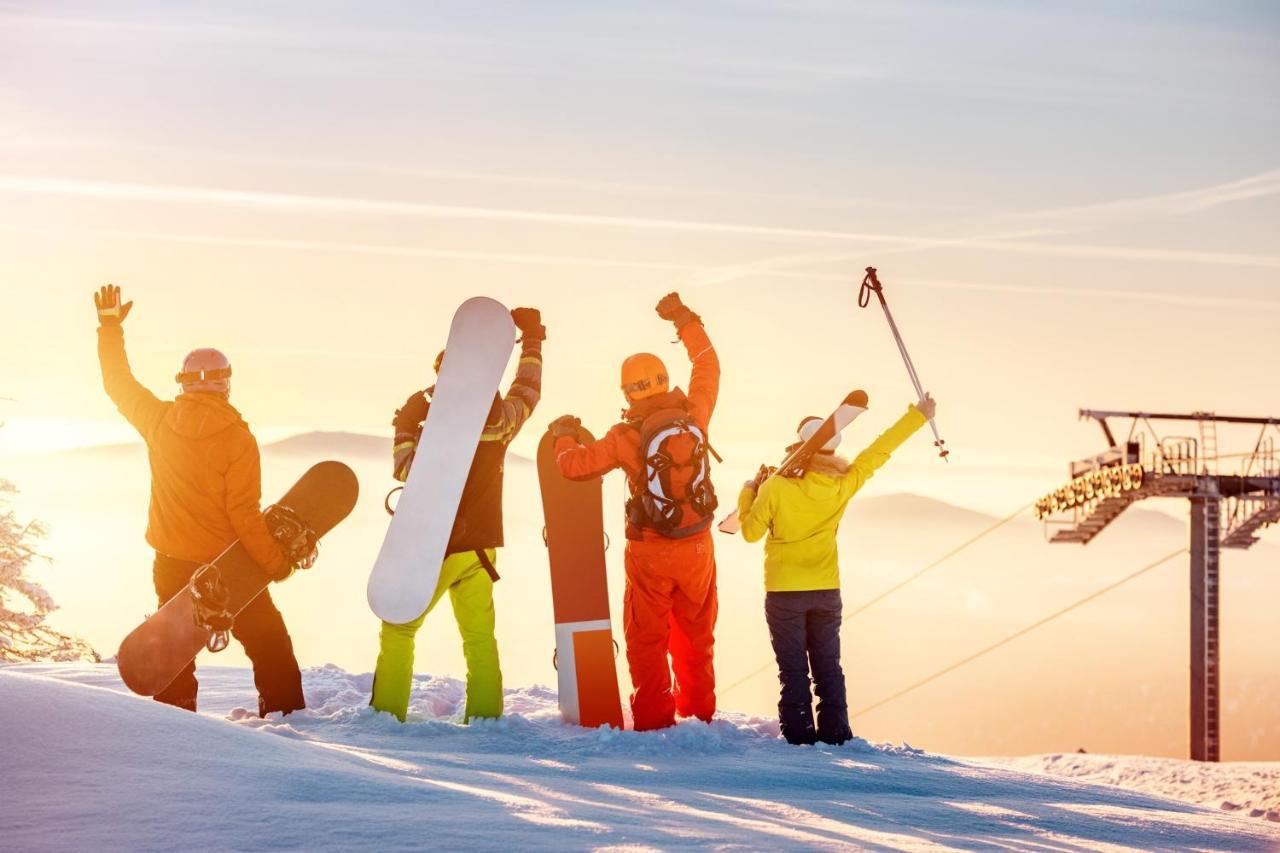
[[878, 453], [755, 512]]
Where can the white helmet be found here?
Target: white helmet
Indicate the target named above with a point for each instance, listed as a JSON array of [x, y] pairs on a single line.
[[809, 426], [205, 370]]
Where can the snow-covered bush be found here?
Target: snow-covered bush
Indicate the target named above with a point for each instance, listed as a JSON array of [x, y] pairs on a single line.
[[24, 604]]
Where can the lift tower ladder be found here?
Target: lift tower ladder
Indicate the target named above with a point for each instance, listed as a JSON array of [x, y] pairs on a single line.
[[1147, 465]]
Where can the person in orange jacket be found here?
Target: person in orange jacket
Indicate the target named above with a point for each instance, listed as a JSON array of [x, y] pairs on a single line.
[[206, 489], [669, 610]]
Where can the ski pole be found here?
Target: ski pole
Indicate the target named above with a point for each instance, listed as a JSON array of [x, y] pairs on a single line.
[[871, 284]]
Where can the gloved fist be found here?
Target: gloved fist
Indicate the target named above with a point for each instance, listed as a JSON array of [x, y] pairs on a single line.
[[927, 406], [110, 311], [765, 472], [566, 425], [671, 308], [529, 322]]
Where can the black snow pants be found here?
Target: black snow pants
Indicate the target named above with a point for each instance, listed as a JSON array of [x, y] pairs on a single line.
[[805, 630], [259, 628]]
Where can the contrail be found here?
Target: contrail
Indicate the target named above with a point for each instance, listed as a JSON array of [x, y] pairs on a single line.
[[1166, 204], [659, 266], [338, 204]]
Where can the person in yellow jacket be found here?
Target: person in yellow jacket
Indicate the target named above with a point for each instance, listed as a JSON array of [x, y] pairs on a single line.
[[801, 515]]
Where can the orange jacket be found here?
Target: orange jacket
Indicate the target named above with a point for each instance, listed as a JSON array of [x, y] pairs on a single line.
[[620, 446], [206, 479]]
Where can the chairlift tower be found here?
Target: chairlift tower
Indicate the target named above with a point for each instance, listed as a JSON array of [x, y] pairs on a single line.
[[1228, 508]]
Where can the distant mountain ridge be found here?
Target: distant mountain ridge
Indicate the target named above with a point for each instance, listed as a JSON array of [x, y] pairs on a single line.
[[331, 442]]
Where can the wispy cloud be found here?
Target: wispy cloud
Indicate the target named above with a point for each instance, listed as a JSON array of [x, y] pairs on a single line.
[[1054, 221], [692, 270], [123, 191]]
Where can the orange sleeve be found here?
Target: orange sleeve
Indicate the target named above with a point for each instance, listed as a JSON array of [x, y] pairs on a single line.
[[244, 498], [582, 462], [704, 382], [139, 406]]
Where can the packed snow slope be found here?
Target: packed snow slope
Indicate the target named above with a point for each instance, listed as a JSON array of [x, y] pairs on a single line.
[[87, 767], [1248, 787]]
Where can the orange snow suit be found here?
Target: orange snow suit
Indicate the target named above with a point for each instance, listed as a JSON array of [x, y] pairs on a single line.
[[206, 481], [669, 608]]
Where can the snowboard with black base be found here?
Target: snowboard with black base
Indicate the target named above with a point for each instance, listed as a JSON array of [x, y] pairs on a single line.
[[202, 615], [586, 672]]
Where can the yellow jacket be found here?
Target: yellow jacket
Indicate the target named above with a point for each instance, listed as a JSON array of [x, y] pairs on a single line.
[[801, 515]]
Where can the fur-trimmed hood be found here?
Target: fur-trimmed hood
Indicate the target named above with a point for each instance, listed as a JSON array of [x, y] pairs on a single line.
[[829, 463]]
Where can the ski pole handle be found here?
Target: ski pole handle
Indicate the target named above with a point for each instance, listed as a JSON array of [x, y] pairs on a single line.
[[871, 284]]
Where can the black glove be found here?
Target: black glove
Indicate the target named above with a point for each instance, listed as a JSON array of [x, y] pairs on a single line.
[[566, 425], [529, 322], [297, 541], [671, 308], [411, 415], [110, 311]]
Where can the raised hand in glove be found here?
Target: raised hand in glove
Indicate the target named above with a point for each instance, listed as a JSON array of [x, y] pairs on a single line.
[[529, 322], [927, 406], [671, 308], [110, 311], [566, 425]]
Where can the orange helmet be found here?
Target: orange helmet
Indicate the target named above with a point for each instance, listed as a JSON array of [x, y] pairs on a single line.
[[643, 375]]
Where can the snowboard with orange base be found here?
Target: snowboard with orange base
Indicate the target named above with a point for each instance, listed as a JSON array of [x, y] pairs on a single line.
[[586, 672]]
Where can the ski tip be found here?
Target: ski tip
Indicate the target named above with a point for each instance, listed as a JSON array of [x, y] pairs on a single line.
[[857, 398]]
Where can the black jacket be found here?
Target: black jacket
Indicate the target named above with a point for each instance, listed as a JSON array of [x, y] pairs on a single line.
[[478, 524]]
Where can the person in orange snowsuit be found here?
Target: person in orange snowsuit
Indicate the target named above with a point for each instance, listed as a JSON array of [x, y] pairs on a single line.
[[206, 489], [669, 609]]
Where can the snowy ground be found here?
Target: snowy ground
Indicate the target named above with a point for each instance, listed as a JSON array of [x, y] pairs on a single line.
[[86, 766], [1248, 787]]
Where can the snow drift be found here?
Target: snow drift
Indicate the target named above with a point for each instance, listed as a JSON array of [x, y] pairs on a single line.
[[91, 768]]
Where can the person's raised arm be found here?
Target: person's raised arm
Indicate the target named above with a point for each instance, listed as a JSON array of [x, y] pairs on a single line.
[[139, 406], [879, 451], [526, 389], [704, 380]]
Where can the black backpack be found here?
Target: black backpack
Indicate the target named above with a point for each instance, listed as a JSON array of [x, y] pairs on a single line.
[[674, 496]]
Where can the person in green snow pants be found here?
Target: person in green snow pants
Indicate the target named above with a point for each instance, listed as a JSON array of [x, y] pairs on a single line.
[[468, 572]]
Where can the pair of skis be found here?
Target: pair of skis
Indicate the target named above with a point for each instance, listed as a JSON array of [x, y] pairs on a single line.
[[797, 461]]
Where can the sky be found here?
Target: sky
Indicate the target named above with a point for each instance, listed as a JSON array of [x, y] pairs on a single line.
[[1070, 205]]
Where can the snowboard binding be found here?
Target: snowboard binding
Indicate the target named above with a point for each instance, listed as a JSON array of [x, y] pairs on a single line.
[[299, 542], [212, 602]]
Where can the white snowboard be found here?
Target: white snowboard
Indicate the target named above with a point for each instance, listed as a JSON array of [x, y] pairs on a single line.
[[405, 575]]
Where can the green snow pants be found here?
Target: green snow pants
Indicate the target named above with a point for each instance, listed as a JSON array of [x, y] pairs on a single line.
[[471, 593]]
